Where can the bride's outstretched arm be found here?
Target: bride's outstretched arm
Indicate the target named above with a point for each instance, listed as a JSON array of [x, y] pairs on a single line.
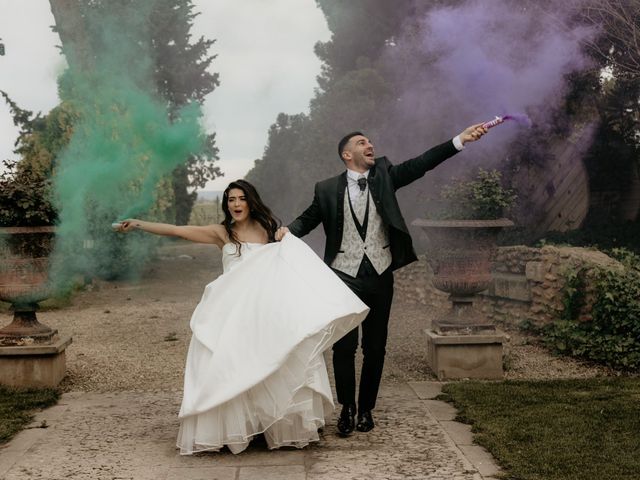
[[214, 234]]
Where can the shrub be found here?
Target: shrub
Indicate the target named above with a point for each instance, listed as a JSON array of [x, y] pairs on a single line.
[[481, 198], [25, 197], [608, 236], [612, 336]]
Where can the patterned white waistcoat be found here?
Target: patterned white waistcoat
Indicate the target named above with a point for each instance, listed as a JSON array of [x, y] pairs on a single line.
[[353, 248]]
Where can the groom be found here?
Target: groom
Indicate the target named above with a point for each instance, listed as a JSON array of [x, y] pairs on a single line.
[[367, 239]]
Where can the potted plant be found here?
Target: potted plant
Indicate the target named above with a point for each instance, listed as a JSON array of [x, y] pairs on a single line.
[[461, 241], [26, 240]]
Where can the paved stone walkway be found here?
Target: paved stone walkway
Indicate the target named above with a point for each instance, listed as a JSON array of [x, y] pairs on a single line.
[[131, 435]]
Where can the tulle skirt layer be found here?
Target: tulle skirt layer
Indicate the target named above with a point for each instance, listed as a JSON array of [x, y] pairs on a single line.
[[255, 362]]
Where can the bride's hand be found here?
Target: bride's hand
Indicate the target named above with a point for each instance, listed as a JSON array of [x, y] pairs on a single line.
[[280, 233], [128, 225]]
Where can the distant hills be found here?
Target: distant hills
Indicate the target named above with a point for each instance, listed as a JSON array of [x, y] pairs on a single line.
[[209, 195]]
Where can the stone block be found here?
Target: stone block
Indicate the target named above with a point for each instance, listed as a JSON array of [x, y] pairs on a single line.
[[510, 286], [465, 356], [34, 365], [534, 271]]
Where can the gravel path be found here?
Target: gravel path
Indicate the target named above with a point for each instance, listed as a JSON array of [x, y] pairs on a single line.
[[124, 385], [134, 335]]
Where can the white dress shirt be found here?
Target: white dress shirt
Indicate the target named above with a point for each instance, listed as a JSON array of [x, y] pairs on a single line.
[[352, 184]]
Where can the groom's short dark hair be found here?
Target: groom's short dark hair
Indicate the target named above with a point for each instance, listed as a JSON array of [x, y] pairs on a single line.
[[342, 143]]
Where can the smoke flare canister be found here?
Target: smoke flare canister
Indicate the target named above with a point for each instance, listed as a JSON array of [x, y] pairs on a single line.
[[493, 123]]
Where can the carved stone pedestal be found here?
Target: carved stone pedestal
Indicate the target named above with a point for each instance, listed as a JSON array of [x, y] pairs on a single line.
[[465, 356], [462, 343], [31, 354], [36, 365]]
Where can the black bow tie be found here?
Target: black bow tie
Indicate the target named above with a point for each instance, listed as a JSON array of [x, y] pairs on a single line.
[[362, 183]]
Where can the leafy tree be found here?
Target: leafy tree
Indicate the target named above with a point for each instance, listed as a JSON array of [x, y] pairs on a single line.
[[359, 29], [613, 87], [351, 96], [113, 49], [178, 68], [619, 26], [181, 76], [26, 190], [359, 90]]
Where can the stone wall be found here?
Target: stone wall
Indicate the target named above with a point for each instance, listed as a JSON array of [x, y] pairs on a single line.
[[414, 282], [528, 283]]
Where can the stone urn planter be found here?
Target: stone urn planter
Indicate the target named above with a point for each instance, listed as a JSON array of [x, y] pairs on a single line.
[[31, 354], [24, 265], [462, 343]]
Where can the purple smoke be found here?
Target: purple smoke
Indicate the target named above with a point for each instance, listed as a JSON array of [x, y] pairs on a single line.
[[453, 67], [519, 118]]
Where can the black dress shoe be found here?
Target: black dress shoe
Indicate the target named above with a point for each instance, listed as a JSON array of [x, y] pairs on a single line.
[[346, 421], [365, 421]]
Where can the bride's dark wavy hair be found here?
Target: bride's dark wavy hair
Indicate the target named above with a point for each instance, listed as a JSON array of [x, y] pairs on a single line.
[[257, 210]]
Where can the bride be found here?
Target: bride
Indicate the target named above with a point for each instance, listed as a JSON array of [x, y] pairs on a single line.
[[255, 362]]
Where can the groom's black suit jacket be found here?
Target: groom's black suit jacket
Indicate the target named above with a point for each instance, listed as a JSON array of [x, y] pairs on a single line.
[[384, 179]]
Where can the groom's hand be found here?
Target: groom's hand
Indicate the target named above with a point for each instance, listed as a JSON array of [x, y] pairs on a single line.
[[472, 133], [281, 232]]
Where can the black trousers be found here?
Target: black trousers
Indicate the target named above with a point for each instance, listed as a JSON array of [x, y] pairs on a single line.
[[376, 291]]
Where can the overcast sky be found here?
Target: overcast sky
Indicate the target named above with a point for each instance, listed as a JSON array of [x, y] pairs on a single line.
[[265, 61]]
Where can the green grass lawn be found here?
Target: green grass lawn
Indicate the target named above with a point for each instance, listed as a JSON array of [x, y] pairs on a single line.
[[552, 430], [17, 408]]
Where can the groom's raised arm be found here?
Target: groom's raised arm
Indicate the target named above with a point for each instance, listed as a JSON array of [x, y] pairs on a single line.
[[411, 170]]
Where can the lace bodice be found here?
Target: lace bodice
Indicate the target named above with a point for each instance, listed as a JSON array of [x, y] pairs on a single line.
[[230, 256]]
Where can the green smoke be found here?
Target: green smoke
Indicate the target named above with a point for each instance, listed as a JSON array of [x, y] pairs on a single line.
[[125, 144]]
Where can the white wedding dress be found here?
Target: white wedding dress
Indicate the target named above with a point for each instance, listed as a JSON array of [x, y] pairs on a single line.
[[255, 362]]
